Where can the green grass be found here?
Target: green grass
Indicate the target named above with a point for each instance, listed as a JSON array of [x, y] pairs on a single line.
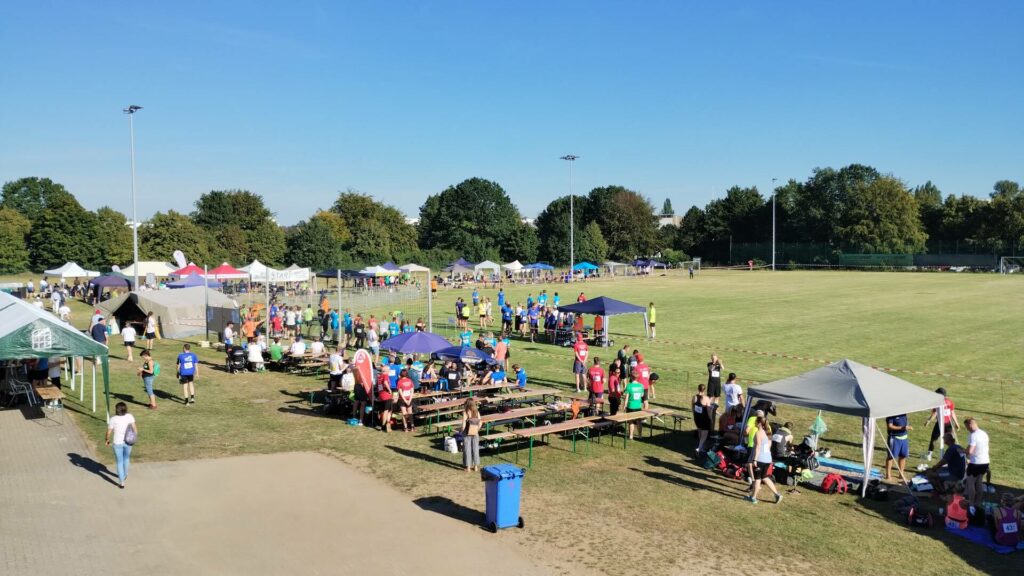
[[649, 506]]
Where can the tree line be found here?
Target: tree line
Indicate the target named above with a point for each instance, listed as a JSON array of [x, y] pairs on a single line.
[[854, 209]]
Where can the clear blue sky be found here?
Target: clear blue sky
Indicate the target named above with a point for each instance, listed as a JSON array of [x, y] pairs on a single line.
[[674, 99]]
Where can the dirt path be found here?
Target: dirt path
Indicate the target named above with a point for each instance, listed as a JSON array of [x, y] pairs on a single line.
[[293, 513]]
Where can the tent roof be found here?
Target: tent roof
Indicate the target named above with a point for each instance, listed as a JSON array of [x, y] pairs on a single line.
[[375, 271], [612, 264], [458, 269], [190, 269], [29, 332], [194, 280], [112, 280], [539, 266], [517, 265], [603, 306], [847, 387], [410, 267], [158, 269], [333, 273], [228, 272], [72, 270], [584, 266], [463, 262], [390, 266], [486, 265]]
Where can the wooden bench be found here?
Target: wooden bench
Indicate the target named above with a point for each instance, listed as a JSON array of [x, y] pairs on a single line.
[[578, 426], [52, 397]]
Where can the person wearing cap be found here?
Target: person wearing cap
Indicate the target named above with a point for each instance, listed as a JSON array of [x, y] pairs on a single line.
[[96, 317], [948, 415]]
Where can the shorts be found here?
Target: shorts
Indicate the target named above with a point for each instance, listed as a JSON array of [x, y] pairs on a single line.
[[55, 381], [186, 378], [652, 324], [714, 388], [645, 394], [483, 315], [976, 469], [147, 381], [900, 447], [150, 335], [403, 405], [633, 409], [130, 343], [40, 374], [361, 395], [750, 455], [761, 470], [333, 380], [578, 367], [382, 405], [597, 395]]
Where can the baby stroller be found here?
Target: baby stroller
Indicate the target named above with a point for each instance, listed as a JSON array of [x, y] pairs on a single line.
[[235, 360]]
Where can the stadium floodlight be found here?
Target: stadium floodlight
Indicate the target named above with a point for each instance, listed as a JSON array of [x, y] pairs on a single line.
[[774, 194], [571, 158], [130, 111]]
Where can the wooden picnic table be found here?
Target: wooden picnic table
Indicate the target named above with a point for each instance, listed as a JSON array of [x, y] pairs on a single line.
[[49, 393], [580, 426], [465, 390]]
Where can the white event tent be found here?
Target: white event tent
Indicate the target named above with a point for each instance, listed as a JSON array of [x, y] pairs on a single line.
[[157, 269], [71, 270]]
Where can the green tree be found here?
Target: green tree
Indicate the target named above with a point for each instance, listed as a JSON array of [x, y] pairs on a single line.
[[819, 203], [626, 219], [691, 231], [114, 237], [590, 245], [313, 244], [1006, 188], [170, 231], [523, 244], [475, 216], [14, 229], [266, 243], [963, 223], [31, 197], [881, 217], [666, 208], [264, 239], [377, 231], [553, 228], [64, 232], [1003, 224], [228, 243], [929, 202]]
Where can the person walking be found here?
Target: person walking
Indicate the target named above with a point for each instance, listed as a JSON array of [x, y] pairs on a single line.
[[471, 435], [188, 371], [150, 330], [651, 314], [701, 417], [948, 415], [148, 374], [117, 431], [763, 462], [977, 462], [899, 444], [128, 339]]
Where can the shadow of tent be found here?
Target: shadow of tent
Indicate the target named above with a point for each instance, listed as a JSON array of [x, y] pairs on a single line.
[[741, 492], [446, 507]]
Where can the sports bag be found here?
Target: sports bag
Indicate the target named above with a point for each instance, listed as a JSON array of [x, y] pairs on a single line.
[[156, 368], [712, 460], [130, 436], [834, 484], [733, 471]]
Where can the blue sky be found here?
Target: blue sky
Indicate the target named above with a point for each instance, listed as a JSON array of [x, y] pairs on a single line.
[[300, 100]]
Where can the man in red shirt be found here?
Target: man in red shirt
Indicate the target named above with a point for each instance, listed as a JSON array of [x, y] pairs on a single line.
[[382, 392], [581, 298], [614, 386], [643, 376], [405, 392], [579, 364], [596, 377]]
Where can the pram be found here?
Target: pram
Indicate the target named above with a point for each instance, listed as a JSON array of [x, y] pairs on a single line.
[[236, 360]]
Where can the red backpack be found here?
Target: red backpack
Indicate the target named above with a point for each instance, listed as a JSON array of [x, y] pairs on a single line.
[[834, 484]]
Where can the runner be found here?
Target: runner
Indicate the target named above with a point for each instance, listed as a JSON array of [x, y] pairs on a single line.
[[642, 374], [596, 377], [579, 364], [977, 462], [188, 371], [701, 417], [150, 330], [382, 405], [948, 415], [405, 393], [715, 368], [650, 319], [614, 386], [634, 402]]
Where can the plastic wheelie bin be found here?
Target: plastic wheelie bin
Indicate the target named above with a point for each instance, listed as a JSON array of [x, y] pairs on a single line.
[[503, 484]]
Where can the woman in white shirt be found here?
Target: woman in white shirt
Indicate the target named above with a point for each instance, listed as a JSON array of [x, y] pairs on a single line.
[[373, 341], [255, 357], [116, 430]]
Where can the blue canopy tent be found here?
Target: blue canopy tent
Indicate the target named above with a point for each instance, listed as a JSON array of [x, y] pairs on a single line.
[[193, 280], [460, 266], [585, 266], [604, 306], [464, 355], [415, 343], [539, 266]]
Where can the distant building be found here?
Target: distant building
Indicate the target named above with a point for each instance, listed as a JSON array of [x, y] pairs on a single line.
[[666, 220], [412, 221], [530, 221]]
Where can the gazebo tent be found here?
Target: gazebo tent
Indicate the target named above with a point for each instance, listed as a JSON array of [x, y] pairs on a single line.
[[390, 266], [612, 266], [193, 280], [585, 266], [458, 269], [260, 272], [847, 387], [157, 269], [179, 313], [29, 332], [190, 269], [411, 268], [488, 266], [294, 273], [71, 270], [604, 306], [513, 267], [227, 272]]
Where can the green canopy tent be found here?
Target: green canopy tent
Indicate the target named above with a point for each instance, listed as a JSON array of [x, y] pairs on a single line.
[[30, 332]]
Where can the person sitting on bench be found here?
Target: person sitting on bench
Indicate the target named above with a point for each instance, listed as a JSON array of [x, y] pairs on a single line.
[[954, 460]]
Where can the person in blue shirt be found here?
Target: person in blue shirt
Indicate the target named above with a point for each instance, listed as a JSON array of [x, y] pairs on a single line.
[[498, 376], [393, 328], [501, 298], [534, 315], [529, 301], [347, 324], [899, 443], [555, 299], [274, 311], [542, 298], [466, 338], [506, 318], [335, 325], [188, 371], [520, 376], [394, 369], [476, 297]]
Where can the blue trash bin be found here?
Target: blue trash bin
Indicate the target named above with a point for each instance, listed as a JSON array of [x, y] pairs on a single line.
[[503, 486]]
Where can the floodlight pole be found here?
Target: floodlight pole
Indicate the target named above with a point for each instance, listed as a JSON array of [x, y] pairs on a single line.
[[774, 193], [572, 217], [130, 111]]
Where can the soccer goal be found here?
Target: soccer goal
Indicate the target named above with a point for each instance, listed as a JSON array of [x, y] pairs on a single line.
[[1011, 264], [693, 265]]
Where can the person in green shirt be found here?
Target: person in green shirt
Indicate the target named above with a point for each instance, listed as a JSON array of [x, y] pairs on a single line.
[[651, 317], [276, 352], [750, 438], [634, 402], [307, 317]]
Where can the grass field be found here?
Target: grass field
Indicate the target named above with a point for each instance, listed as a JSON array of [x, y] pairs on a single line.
[[649, 509]]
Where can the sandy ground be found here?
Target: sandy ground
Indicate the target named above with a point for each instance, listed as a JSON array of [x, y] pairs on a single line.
[[296, 513]]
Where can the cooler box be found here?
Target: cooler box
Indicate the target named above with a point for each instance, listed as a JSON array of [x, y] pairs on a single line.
[[503, 484]]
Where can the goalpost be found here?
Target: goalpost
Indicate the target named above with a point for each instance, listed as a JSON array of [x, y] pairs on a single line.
[[1011, 264], [694, 264]]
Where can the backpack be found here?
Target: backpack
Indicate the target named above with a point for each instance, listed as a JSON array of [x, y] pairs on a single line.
[[712, 460], [909, 510], [735, 472], [156, 368], [834, 484]]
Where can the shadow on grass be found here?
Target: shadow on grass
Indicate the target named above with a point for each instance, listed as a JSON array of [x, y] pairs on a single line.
[[90, 465], [127, 398], [682, 482], [314, 412], [163, 395], [446, 507], [425, 457]]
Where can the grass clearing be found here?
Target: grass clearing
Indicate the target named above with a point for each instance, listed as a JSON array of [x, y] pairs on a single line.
[[651, 499]]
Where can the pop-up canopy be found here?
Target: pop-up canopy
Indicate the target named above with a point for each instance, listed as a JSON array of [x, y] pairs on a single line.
[[605, 306], [847, 387], [227, 272], [71, 270]]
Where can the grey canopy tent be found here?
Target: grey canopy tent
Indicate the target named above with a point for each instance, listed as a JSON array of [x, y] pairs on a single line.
[[179, 313], [847, 387], [29, 332]]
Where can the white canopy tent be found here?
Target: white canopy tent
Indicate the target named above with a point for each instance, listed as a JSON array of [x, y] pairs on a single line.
[[294, 273], [158, 269], [847, 387], [487, 266], [613, 266], [410, 267], [515, 267], [376, 271], [260, 272], [71, 270]]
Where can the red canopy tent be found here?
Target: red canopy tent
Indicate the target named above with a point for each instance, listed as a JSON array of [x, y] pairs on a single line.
[[190, 269], [227, 272]]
